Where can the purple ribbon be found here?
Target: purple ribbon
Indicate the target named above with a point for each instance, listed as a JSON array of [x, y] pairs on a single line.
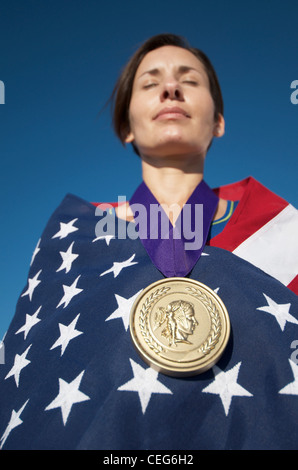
[[174, 250]]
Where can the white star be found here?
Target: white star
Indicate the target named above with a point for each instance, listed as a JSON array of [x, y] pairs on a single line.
[[225, 385], [107, 238], [67, 333], [2, 350], [31, 320], [13, 423], [37, 249], [69, 293], [117, 267], [292, 387], [279, 311], [124, 308], [32, 284], [68, 395], [68, 258], [145, 383], [65, 229], [20, 362]]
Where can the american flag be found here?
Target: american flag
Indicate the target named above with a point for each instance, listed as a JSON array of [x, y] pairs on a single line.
[[73, 380]]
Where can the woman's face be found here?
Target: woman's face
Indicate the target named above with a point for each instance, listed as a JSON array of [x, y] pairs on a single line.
[[171, 110]]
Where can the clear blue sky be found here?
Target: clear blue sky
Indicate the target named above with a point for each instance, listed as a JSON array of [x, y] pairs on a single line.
[[59, 61]]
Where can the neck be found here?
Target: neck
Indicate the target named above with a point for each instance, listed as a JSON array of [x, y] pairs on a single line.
[[171, 184]]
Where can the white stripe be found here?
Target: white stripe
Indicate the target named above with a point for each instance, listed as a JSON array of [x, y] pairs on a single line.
[[274, 247]]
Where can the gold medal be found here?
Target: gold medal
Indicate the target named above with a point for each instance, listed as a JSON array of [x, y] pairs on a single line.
[[179, 326]]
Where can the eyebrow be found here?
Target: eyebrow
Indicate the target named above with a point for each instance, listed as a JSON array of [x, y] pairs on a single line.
[[182, 69]]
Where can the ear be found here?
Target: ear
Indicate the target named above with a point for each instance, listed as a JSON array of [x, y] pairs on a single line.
[[219, 126], [129, 138]]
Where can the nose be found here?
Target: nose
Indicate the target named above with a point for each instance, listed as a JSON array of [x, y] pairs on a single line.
[[172, 91]]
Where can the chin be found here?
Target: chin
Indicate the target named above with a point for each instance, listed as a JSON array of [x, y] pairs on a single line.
[[174, 147]]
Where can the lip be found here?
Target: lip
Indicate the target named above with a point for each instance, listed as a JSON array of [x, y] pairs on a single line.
[[173, 112]]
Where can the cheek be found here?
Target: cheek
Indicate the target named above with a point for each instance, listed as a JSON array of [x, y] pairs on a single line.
[[136, 117], [207, 111], [204, 107]]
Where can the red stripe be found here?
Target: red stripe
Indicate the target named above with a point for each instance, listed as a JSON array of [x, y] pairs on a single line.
[[257, 206], [105, 204], [294, 285]]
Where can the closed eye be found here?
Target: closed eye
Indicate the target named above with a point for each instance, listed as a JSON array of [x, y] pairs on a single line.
[[149, 85], [190, 82]]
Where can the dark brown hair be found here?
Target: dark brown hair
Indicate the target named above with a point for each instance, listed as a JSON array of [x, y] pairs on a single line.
[[121, 95]]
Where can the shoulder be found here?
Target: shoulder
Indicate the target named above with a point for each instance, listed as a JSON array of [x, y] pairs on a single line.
[[263, 230]]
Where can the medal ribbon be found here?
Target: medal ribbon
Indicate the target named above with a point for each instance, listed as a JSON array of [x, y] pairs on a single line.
[[174, 250]]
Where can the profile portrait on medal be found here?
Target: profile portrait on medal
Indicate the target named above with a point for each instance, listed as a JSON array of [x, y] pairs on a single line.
[[180, 321]]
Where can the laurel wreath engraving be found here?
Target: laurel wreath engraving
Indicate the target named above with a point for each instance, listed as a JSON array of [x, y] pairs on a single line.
[[214, 335], [143, 316]]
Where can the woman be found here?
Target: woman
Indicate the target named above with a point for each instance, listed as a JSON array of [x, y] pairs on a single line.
[[73, 378]]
